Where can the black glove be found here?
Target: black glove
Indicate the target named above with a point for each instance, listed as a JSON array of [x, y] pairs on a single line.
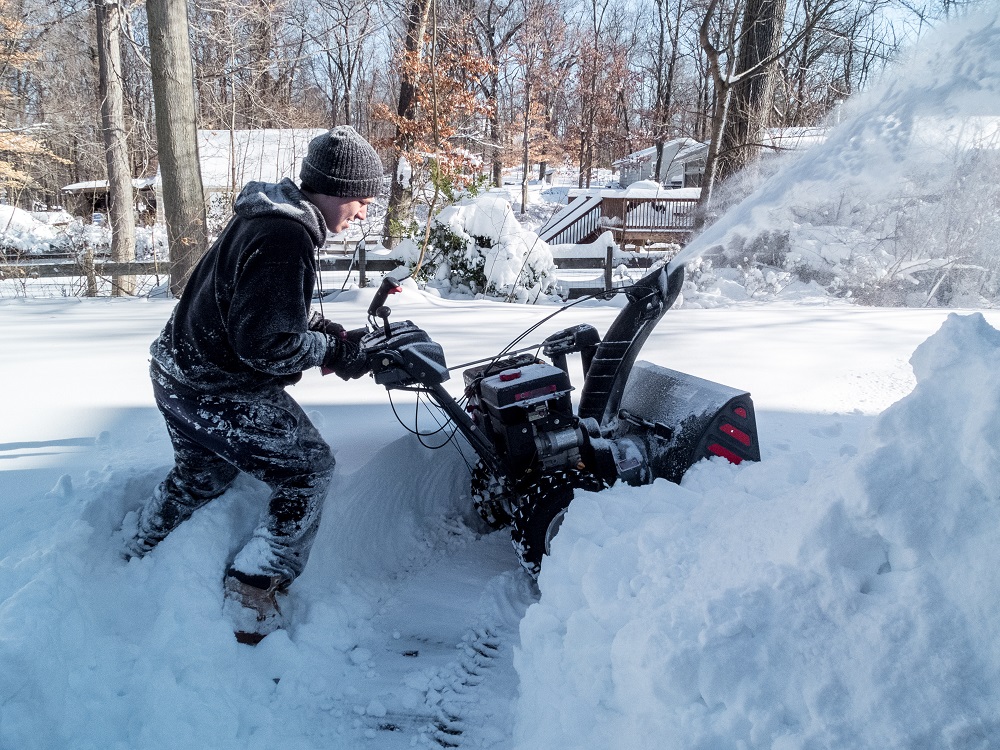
[[345, 359], [318, 323], [356, 334]]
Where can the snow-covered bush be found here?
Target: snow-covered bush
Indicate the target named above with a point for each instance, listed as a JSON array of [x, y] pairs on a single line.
[[477, 247]]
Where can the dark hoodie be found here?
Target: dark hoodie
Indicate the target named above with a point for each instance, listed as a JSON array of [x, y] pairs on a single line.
[[241, 324]]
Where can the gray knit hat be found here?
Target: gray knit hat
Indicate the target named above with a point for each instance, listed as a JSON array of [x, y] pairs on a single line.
[[341, 163]]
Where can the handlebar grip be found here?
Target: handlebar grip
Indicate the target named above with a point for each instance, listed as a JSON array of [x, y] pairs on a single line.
[[388, 286]]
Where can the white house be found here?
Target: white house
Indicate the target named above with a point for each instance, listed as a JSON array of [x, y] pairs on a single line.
[[640, 165], [684, 158], [231, 158]]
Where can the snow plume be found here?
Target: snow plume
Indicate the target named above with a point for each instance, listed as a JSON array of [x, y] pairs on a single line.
[[899, 204], [479, 247], [788, 605]]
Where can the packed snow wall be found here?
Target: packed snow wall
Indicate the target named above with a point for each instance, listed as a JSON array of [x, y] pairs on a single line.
[[789, 604]]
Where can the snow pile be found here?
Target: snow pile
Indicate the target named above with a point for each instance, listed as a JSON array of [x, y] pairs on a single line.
[[785, 604], [899, 204], [23, 233], [478, 247]]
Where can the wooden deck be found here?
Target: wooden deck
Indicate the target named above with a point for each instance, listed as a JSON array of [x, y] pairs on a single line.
[[633, 220], [646, 220]]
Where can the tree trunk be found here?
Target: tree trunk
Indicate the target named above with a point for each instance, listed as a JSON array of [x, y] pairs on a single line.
[[177, 137], [720, 114], [525, 154], [750, 98], [495, 138], [400, 208], [121, 205]]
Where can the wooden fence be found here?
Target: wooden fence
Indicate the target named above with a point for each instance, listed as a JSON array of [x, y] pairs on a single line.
[[90, 269]]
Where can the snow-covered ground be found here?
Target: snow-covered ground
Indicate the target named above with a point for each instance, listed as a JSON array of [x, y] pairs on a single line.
[[841, 593]]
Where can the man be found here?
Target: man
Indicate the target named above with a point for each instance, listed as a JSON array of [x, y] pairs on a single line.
[[240, 333]]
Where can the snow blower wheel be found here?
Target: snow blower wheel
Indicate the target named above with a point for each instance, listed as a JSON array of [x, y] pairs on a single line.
[[487, 493], [537, 519]]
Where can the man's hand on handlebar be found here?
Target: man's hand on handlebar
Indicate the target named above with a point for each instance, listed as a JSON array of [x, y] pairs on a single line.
[[345, 359], [344, 356], [318, 323]]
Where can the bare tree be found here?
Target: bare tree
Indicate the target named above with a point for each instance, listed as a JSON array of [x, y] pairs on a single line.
[[496, 24], [176, 131], [667, 25], [121, 208], [341, 34], [399, 210], [742, 49], [752, 91]]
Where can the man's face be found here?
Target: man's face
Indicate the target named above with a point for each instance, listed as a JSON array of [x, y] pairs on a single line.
[[340, 212]]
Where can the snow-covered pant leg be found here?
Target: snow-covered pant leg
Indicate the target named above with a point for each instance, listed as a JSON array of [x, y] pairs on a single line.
[[197, 477], [268, 436], [280, 545]]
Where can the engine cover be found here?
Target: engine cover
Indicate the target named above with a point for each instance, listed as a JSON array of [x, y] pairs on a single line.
[[527, 411]]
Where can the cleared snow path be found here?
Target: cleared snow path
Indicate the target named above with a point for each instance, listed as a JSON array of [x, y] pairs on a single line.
[[441, 652]]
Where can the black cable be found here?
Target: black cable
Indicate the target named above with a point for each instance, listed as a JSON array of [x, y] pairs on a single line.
[[415, 430]]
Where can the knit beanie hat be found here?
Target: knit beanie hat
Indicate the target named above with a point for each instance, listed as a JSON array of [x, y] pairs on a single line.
[[341, 163]]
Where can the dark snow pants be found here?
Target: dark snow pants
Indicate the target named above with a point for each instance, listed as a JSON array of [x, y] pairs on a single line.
[[266, 435]]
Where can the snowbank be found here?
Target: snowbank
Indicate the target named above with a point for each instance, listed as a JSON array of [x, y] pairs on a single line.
[[785, 604]]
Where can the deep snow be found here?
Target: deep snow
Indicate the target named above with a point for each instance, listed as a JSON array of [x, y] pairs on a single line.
[[839, 594]]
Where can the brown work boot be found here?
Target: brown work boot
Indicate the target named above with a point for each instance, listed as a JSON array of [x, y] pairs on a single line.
[[251, 604]]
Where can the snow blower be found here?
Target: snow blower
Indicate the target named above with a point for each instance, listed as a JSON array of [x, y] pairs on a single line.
[[635, 421]]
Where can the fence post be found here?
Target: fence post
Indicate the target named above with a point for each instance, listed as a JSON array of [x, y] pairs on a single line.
[[362, 281], [608, 266], [89, 272]]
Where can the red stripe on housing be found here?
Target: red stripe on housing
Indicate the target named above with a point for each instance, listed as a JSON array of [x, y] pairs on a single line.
[[739, 435], [537, 392], [717, 450], [740, 412]]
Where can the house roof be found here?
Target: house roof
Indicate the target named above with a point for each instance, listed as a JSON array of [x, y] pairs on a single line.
[[793, 139], [231, 158], [778, 139], [99, 186], [647, 154]]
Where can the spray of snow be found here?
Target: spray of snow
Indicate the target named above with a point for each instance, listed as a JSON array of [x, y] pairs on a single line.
[[905, 186]]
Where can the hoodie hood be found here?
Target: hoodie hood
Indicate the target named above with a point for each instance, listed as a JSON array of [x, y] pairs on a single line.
[[284, 200]]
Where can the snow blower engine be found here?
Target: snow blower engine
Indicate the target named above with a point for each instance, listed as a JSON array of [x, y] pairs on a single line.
[[635, 421]]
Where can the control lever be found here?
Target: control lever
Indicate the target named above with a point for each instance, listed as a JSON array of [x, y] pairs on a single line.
[[388, 286], [383, 312], [378, 307]]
